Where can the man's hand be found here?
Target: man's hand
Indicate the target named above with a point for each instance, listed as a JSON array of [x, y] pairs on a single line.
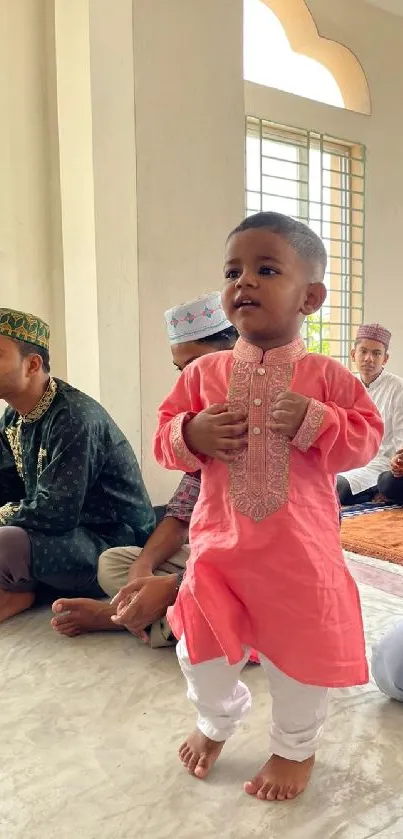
[[140, 567], [288, 414], [217, 432], [143, 601], [396, 464]]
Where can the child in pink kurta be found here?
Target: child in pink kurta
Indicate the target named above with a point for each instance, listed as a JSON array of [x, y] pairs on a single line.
[[266, 567]]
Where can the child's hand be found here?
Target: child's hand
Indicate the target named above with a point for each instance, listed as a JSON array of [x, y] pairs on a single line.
[[288, 414], [217, 432]]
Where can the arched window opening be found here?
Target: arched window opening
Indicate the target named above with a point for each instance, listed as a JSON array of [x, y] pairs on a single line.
[[283, 49], [269, 59]]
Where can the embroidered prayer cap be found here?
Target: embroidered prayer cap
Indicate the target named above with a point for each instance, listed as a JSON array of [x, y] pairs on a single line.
[[201, 318], [21, 326], [374, 332]]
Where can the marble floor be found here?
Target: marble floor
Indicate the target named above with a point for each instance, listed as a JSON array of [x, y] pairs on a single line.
[[89, 729]]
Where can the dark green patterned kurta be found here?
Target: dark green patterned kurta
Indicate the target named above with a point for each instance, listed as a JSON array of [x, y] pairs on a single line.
[[70, 479]]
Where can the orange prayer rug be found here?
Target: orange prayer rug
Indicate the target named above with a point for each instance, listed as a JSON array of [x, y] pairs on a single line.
[[379, 535]]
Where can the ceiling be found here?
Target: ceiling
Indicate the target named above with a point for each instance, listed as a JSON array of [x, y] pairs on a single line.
[[394, 6]]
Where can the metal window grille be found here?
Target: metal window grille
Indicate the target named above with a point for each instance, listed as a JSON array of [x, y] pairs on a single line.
[[320, 181]]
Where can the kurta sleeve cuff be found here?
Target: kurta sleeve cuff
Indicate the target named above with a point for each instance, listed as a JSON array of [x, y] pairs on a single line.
[[309, 430], [7, 512], [192, 462]]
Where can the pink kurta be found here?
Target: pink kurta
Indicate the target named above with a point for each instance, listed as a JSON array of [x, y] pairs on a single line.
[[266, 567]]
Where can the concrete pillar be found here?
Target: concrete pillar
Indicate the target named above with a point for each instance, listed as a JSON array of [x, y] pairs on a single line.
[[95, 96], [115, 203], [74, 111]]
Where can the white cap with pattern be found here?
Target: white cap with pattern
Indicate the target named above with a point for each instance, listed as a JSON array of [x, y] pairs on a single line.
[[200, 318]]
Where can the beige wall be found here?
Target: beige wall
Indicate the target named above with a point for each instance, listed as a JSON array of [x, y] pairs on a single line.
[[376, 38], [121, 156], [24, 209], [29, 244], [190, 166]]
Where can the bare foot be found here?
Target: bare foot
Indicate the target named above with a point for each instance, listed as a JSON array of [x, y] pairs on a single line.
[[80, 615], [12, 603], [198, 754], [380, 499], [280, 779]]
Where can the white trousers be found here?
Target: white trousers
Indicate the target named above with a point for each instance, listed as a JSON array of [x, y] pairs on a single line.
[[221, 699]]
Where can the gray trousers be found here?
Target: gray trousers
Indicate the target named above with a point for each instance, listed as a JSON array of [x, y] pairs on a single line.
[[15, 560], [387, 663], [16, 573]]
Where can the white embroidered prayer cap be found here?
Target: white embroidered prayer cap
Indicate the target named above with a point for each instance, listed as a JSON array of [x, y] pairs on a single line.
[[201, 318]]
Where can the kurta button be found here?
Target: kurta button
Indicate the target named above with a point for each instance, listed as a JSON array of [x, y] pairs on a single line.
[[257, 402], [261, 371], [256, 430]]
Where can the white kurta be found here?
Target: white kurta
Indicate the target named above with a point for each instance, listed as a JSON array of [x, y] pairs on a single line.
[[387, 393]]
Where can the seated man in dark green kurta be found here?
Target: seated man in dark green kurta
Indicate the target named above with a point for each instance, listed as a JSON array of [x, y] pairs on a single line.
[[70, 485]]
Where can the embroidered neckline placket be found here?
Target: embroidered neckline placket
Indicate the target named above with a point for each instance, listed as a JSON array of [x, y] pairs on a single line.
[[259, 476], [14, 432], [289, 354], [43, 404]]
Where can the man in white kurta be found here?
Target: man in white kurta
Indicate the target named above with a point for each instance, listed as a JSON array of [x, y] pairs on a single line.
[[382, 475]]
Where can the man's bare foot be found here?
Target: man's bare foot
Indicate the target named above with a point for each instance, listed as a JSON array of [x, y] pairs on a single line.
[[12, 603], [380, 499], [280, 779], [80, 615], [198, 754]]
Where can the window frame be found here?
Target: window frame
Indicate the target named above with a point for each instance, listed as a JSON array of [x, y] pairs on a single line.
[[342, 218]]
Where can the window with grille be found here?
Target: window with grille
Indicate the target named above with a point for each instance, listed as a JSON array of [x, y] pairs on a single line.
[[320, 181]]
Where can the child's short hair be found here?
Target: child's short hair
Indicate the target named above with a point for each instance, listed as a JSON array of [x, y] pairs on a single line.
[[307, 243]]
